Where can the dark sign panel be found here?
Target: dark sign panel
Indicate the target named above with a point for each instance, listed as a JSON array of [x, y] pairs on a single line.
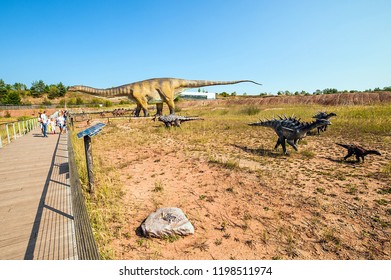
[[91, 131]]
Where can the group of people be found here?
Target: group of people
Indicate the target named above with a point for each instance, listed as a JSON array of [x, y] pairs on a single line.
[[48, 124]]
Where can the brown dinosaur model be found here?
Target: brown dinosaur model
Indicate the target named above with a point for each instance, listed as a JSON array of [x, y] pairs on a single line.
[[357, 150], [156, 90]]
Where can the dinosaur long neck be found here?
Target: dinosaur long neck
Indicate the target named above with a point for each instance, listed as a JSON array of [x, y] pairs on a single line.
[[311, 126], [109, 92], [204, 83], [329, 116]]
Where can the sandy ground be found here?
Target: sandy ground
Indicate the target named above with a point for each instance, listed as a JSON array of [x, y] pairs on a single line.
[[247, 201]]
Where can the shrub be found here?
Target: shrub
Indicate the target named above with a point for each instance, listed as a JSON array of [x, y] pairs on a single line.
[[251, 110]]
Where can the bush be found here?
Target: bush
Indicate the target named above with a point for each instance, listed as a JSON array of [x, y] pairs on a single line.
[[46, 102], [79, 101], [250, 110]]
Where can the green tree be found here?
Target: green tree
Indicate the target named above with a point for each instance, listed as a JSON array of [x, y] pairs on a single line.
[[224, 94], [61, 89], [330, 90], [37, 88], [53, 92], [12, 98], [317, 92], [3, 89]]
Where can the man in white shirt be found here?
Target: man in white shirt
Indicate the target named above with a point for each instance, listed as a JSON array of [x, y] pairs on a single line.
[[44, 120]]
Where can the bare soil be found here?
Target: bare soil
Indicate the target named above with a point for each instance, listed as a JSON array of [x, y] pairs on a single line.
[[245, 200]]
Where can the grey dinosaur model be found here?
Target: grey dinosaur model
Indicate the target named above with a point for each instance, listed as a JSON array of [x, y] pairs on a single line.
[[174, 120], [358, 151], [325, 116], [290, 130]]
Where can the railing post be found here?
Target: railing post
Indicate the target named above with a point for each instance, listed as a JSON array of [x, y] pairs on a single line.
[[20, 134], [13, 125], [90, 168], [24, 127], [8, 133]]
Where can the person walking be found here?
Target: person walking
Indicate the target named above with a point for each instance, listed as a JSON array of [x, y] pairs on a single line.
[[61, 122], [52, 126], [40, 121], [44, 120]]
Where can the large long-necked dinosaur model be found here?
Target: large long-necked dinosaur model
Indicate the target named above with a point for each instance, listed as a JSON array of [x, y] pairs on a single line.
[[290, 129], [357, 150], [156, 90]]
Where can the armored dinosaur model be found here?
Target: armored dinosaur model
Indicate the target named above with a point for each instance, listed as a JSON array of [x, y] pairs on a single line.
[[156, 90], [357, 150], [174, 120], [120, 112], [325, 116], [290, 129]]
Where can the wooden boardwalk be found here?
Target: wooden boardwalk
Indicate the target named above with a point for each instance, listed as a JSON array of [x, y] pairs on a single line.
[[36, 215]]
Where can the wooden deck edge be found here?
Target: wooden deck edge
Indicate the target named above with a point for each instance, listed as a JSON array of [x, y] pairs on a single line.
[[85, 242]]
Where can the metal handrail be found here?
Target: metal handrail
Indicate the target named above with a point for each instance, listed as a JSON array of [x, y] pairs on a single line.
[[19, 128]]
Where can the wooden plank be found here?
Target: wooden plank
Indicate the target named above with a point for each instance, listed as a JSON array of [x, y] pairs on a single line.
[[35, 199]]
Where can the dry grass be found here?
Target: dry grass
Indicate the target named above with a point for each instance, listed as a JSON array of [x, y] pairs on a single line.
[[239, 193]]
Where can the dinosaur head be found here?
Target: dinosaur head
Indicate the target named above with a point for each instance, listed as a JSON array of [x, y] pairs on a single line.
[[332, 114], [374, 152], [322, 122]]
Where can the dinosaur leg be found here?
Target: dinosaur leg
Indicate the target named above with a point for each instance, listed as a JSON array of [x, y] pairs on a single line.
[[348, 155], [177, 123], [283, 144], [144, 106], [167, 99], [292, 143], [159, 109], [277, 144], [137, 111]]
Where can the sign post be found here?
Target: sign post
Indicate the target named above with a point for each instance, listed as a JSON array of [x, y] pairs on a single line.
[[87, 134]]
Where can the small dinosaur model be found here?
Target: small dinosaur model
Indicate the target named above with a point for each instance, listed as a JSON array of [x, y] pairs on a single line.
[[174, 120], [357, 150], [326, 116], [290, 130], [156, 90]]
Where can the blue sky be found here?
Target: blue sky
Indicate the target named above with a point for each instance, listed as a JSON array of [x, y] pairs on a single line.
[[285, 45]]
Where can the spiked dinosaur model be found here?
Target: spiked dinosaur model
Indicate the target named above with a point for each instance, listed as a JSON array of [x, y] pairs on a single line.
[[174, 120], [325, 116], [157, 91], [357, 150], [290, 129]]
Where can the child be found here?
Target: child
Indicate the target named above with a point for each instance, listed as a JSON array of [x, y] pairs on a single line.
[[53, 126]]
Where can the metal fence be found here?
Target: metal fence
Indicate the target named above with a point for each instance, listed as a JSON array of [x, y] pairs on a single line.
[[9, 131]]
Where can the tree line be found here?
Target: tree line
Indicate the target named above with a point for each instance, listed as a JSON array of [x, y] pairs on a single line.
[[305, 93], [11, 94]]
